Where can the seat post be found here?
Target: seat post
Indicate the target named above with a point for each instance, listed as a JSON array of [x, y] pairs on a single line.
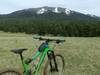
[[21, 56]]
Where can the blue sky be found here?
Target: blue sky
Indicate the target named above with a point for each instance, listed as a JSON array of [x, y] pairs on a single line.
[[84, 6]]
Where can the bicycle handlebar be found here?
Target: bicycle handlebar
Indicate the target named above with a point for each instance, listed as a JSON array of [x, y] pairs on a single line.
[[48, 40]]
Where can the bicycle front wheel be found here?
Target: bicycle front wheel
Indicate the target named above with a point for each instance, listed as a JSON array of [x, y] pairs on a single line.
[[60, 63], [10, 72]]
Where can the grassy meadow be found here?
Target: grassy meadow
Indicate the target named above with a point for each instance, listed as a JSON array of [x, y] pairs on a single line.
[[82, 54]]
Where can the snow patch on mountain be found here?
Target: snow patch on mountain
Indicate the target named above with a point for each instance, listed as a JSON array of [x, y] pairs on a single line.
[[41, 11], [67, 11], [56, 10]]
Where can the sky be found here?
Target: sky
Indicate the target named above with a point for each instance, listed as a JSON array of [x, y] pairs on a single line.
[[83, 6]]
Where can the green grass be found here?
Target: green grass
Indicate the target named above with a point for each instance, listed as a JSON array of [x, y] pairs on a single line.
[[82, 55]]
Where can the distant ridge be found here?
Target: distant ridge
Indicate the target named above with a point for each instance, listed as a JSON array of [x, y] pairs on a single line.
[[51, 13]]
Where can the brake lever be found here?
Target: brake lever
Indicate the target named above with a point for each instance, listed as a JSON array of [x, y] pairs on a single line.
[[58, 41]]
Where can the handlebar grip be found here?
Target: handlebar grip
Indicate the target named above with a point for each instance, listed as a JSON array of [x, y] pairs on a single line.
[[60, 41], [35, 37]]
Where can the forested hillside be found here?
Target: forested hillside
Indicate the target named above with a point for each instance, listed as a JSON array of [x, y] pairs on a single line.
[[50, 26]]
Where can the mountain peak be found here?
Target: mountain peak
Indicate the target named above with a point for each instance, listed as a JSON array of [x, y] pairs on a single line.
[[52, 12], [53, 9]]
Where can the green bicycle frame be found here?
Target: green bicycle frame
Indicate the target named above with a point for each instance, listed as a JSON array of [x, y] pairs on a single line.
[[38, 66]]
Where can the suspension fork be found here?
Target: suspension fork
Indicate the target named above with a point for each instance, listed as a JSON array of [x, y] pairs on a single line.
[[52, 59]]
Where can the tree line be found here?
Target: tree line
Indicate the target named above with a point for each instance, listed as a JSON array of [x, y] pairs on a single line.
[[40, 26]]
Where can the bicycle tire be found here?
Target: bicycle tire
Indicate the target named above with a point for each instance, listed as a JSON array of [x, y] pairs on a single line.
[[61, 68], [10, 72]]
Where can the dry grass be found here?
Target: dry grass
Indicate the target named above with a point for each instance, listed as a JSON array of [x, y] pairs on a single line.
[[82, 55]]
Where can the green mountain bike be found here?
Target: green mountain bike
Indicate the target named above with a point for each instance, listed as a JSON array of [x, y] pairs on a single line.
[[54, 65]]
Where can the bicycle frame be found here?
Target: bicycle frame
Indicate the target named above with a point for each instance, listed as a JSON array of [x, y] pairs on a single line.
[[45, 49], [38, 66]]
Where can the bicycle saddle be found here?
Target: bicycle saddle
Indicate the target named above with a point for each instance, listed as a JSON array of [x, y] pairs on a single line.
[[18, 51]]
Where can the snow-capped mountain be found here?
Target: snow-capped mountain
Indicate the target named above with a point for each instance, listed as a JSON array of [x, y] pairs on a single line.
[[52, 13], [54, 9]]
